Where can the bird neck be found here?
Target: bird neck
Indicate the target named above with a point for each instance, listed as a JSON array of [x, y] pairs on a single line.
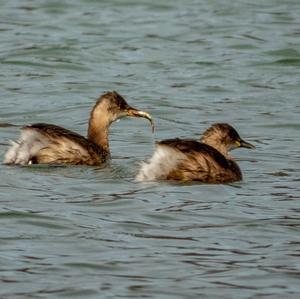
[[98, 132], [220, 147]]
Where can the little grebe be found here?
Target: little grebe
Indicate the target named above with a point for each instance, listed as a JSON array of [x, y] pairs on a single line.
[[50, 144], [206, 160]]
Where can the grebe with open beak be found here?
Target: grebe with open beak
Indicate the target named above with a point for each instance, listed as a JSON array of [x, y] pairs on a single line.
[[50, 144]]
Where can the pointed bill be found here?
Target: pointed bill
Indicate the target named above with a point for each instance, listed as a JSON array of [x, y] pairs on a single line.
[[137, 113], [246, 144]]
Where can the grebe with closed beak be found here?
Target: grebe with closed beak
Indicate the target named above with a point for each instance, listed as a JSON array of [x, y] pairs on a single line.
[[207, 160]]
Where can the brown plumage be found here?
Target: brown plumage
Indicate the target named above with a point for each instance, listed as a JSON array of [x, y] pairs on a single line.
[[206, 160], [51, 144]]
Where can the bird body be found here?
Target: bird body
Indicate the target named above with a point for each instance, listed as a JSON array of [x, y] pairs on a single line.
[[50, 144], [206, 160]]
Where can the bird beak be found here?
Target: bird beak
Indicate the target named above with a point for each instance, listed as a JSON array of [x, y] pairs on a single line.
[[245, 144], [137, 113]]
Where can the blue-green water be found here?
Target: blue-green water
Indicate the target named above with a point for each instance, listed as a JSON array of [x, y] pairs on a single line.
[[81, 232]]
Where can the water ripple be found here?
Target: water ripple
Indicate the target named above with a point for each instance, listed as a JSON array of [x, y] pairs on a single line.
[[90, 232]]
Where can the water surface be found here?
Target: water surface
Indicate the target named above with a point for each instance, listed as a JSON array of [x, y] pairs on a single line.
[[84, 232]]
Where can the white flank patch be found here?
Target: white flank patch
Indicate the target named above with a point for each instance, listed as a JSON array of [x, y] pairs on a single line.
[[164, 160], [30, 142]]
